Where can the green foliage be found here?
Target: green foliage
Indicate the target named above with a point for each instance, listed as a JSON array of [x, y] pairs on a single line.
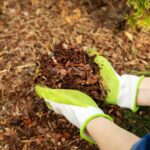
[[141, 15]]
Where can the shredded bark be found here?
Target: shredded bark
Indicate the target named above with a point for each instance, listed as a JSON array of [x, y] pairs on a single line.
[[29, 31], [68, 67]]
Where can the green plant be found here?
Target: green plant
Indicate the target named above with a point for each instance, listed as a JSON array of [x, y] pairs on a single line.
[[141, 15]]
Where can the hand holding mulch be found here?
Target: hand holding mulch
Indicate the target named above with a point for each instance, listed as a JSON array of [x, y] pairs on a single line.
[[68, 67], [121, 90], [74, 105]]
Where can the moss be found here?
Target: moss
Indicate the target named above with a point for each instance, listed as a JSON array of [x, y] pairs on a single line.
[[137, 123]]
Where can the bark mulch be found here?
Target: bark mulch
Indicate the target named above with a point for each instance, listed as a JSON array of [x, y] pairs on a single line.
[[68, 67], [29, 31]]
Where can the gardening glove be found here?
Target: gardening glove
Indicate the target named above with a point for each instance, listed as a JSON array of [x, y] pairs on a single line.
[[121, 90], [76, 106]]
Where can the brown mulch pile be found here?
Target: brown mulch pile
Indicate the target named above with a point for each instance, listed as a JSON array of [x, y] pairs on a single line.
[[29, 30], [68, 67]]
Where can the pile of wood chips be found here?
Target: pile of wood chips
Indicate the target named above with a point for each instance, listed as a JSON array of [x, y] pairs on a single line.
[[68, 67]]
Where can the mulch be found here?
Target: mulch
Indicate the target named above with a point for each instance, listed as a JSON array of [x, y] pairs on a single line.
[[29, 34], [68, 67]]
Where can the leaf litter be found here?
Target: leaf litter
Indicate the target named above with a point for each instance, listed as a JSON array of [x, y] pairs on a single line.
[[28, 32]]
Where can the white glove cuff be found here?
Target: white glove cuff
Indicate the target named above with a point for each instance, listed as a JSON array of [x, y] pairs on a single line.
[[128, 89]]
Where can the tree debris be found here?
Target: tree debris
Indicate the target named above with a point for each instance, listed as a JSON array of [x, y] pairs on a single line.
[[70, 68], [29, 31]]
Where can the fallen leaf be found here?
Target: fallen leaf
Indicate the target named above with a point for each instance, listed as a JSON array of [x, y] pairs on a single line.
[[25, 146], [34, 2], [129, 35], [73, 18], [79, 39], [9, 132], [1, 135]]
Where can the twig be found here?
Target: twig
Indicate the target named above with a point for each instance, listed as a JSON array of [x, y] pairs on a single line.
[[31, 140], [20, 67], [102, 89], [26, 66], [28, 141], [147, 130], [3, 71], [50, 126], [70, 142], [146, 73]]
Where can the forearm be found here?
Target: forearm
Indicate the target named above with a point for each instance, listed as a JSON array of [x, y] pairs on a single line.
[[109, 136], [143, 97]]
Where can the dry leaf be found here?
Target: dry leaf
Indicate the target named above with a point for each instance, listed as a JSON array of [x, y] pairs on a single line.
[[39, 11], [71, 19], [25, 146], [34, 2], [1, 135], [10, 132], [79, 39], [129, 35]]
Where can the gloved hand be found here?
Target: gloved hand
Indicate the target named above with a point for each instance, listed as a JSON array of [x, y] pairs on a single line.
[[76, 106], [121, 90]]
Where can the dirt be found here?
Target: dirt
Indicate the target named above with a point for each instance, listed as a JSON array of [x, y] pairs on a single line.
[[29, 31]]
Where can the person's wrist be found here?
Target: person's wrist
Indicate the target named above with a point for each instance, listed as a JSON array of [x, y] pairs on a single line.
[[99, 123], [84, 131], [98, 120], [143, 96], [84, 126]]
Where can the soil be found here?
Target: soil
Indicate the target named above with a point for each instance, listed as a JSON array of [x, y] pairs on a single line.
[[29, 31]]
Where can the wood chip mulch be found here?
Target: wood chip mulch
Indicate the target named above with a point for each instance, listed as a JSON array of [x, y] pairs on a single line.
[[29, 31]]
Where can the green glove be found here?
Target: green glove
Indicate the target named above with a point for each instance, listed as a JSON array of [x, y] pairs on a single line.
[[121, 90], [76, 106]]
